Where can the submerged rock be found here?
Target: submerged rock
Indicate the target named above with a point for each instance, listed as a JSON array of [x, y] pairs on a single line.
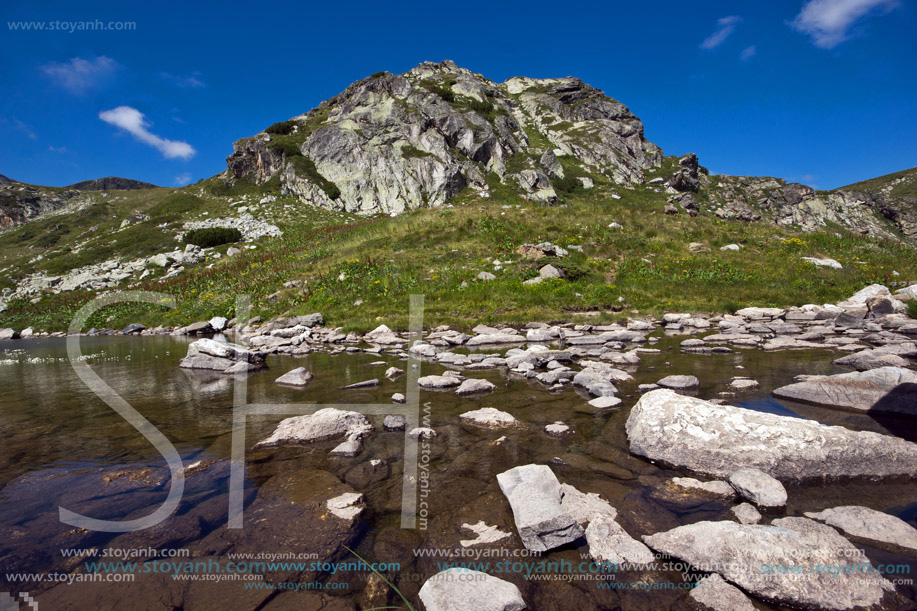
[[752, 557], [584, 506], [679, 382], [327, 423], [485, 534], [347, 506], [881, 390], [460, 589], [716, 440], [869, 524], [534, 494]]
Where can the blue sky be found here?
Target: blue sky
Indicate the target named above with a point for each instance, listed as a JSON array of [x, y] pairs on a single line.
[[816, 91]]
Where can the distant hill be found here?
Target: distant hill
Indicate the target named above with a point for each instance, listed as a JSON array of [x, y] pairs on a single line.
[[111, 183], [5, 181]]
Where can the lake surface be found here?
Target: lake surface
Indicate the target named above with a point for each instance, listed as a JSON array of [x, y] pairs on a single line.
[[63, 447]]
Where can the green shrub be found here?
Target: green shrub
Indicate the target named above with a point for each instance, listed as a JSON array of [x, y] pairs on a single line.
[[305, 167], [912, 308], [285, 146], [568, 185], [212, 236], [408, 151], [283, 128]]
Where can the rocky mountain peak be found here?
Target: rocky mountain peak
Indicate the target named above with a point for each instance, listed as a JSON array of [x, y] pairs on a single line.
[[390, 143]]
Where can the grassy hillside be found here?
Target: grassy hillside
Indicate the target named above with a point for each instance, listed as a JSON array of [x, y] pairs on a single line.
[[897, 184], [328, 261]]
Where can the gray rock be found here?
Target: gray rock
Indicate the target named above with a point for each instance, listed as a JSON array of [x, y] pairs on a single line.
[[716, 440], [881, 390], [296, 377], [394, 423], [349, 448], [460, 589], [327, 423], [364, 384], [393, 373], [220, 356], [534, 494], [558, 429], [199, 328], [739, 552], [9, 334], [423, 432], [869, 524], [439, 382], [608, 542], [743, 384], [679, 382], [485, 534], [218, 323], [398, 398], [486, 277], [475, 386], [715, 487], [758, 487], [489, 417], [746, 513], [584, 506], [712, 592], [347, 506], [551, 271], [495, 338], [605, 402], [133, 329], [891, 355]]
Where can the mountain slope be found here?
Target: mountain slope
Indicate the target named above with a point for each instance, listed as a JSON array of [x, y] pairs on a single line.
[[470, 170], [391, 143]]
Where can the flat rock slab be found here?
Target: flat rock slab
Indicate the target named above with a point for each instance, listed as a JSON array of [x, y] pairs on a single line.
[[758, 487], [739, 551], [716, 487], [327, 423], [489, 417], [869, 524], [880, 390], [605, 402], [608, 542], [534, 494], [297, 377], [347, 506], [439, 382], [746, 513], [394, 423], [584, 506], [679, 382], [891, 355], [495, 338], [460, 589], [714, 593], [716, 440]]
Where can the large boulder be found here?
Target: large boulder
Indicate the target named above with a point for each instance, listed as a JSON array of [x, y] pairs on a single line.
[[459, 589], [767, 561], [9, 334], [881, 390], [327, 423], [890, 355], [295, 377], [534, 494], [712, 592], [869, 524], [758, 487], [221, 356], [716, 440], [610, 543]]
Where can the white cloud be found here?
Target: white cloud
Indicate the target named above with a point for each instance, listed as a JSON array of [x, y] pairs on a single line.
[[724, 27], [132, 121], [57, 149], [185, 82], [182, 179], [747, 53], [827, 21], [20, 127], [80, 74]]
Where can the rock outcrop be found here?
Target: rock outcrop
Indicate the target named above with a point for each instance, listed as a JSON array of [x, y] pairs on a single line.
[[881, 390], [111, 183], [391, 143]]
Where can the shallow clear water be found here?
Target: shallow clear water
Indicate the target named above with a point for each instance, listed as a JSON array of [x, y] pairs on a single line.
[[62, 446]]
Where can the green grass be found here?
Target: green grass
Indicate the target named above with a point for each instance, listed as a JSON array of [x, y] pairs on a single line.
[[906, 184], [645, 267]]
